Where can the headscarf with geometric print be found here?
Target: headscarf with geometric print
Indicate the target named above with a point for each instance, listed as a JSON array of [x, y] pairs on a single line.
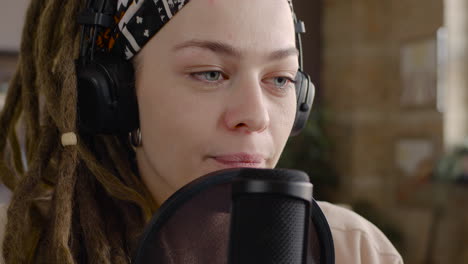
[[136, 21]]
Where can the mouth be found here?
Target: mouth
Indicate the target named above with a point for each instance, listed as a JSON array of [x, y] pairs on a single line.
[[240, 160]]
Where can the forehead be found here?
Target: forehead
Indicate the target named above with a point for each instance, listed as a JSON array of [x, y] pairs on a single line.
[[243, 23], [139, 21]]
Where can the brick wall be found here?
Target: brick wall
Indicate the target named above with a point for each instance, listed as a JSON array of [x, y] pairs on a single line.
[[361, 88]]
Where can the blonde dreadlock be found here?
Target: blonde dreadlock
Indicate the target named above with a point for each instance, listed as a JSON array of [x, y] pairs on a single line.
[[73, 204]]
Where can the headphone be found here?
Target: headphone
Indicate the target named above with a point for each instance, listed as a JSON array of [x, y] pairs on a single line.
[[107, 102], [305, 89]]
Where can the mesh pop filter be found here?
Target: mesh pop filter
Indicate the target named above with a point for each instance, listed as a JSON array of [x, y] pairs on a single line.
[[193, 225]]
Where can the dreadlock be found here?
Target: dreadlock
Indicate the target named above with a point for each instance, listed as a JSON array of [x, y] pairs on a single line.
[[73, 204]]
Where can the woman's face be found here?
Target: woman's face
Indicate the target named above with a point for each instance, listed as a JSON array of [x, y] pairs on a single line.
[[215, 91]]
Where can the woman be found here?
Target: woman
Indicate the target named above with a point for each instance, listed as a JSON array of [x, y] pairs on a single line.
[[215, 90]]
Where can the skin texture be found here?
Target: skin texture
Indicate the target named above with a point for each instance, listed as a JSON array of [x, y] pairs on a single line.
[[214, 92]]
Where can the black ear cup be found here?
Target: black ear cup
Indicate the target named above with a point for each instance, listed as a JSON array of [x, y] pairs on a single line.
[[106, 96], [305, 92]]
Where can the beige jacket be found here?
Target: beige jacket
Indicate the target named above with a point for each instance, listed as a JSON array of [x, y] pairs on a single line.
[[356, 239]]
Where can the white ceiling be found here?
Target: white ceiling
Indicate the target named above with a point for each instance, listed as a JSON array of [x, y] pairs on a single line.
[[11, 23]]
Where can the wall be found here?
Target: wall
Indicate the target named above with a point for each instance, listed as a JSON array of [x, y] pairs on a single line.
[[361, 89], [12, 15]]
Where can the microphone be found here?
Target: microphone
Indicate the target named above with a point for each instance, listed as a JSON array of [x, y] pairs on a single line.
[[270, 217], [235, 216]]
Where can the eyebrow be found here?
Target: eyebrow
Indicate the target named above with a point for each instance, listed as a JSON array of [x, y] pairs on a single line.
[[226, 49]]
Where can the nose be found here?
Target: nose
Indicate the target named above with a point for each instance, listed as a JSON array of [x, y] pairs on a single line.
[[246, 108]]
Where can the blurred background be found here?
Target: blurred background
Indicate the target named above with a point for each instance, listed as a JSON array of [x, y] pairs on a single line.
[[388, 131]]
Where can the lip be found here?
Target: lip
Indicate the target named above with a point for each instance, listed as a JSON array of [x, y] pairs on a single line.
[[241, 159]]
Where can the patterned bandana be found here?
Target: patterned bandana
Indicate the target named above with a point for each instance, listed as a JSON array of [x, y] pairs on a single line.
[[136, 21]]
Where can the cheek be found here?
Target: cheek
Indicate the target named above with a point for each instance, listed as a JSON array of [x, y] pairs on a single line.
[[168, 117], [282, 120], [170, 145], [283, 116], [176, 126]]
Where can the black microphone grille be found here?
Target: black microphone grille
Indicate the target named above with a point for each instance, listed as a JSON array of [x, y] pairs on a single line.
[[286, 175], [293, 183], [269, 220], [267, 229]]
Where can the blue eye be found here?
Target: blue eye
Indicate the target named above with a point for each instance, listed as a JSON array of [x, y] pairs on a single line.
[[282, 82], [210, 76]]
